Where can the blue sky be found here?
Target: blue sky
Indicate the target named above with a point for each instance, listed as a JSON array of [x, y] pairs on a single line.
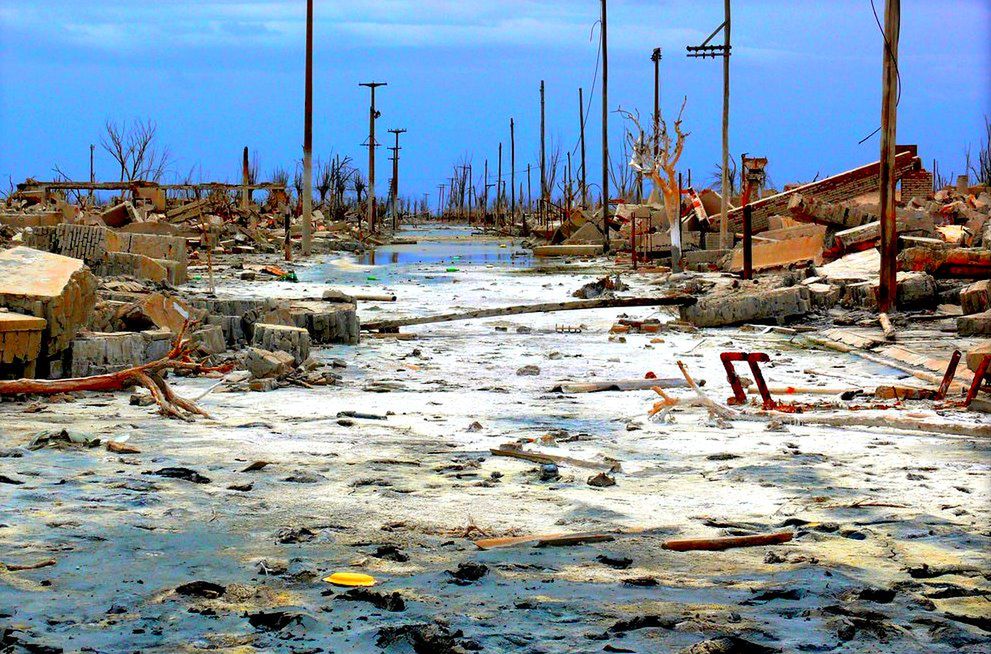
[[217, 75]]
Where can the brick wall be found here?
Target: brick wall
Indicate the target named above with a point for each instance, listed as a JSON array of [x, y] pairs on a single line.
[[917, 184]]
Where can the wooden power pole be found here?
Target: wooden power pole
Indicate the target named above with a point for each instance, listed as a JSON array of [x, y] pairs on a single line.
[[581, 132], [656, 58], [372, 116], [605, 133], [543, 155], [394, 191], [706, 50], [308, 136], [512, 170], [888, 290]]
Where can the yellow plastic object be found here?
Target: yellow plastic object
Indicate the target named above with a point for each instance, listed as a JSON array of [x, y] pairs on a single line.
[[350, 579]]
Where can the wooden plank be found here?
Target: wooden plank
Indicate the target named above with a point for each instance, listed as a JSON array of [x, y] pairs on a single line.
[[548, 307]]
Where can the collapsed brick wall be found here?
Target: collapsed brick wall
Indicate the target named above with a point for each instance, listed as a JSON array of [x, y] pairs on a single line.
[[837, 188]]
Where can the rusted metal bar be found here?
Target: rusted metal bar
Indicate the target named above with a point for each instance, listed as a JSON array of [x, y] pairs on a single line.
[[753, 359], [951, 371]]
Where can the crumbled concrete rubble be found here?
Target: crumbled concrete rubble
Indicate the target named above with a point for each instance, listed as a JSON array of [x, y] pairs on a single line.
[[526, 482]]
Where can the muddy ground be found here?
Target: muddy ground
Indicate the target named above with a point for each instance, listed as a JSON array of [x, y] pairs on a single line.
[[892, 528]]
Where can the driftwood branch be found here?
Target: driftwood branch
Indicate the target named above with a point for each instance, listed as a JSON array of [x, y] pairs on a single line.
[[148, 375]]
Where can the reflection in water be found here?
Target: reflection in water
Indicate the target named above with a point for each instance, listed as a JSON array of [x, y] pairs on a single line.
[[435, 252]]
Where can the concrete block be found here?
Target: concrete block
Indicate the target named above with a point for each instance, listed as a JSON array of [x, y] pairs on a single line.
[[59, 289], [748, 306], [976, 324], [264, 364], [976, 298], [280, 338]]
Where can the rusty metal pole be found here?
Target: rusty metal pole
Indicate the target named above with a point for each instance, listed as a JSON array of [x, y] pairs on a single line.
[[372, 115], [605, 133], [581, 127], [308, 136], [888, 290]]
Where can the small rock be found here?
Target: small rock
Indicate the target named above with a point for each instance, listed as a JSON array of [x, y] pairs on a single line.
[[601, 480], [468, 572], [528, 371], [185, 474], [549, 472], [291, 535]]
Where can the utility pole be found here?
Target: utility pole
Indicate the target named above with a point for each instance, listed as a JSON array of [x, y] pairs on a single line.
[[395, 178], [498, 210], [512, 169], [888, 290], [440, 199], [605, 133], [485, 193], [703, 51], [581, 127], [543, 155], [372, 116], [308, 136], [656, 58]]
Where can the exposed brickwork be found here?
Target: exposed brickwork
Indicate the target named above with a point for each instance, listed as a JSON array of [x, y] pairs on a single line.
[[917, 184]]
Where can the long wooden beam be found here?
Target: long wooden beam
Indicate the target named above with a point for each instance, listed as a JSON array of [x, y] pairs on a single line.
[[548, 307]]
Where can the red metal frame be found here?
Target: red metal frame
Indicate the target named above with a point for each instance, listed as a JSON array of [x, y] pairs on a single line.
[[752, 358]]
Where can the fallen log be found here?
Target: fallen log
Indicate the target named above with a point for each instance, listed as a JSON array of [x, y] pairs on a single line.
[[537, 457], [148, 375], [618, 385], [730, 542], [18, 567], [547, 307], [541, 540]]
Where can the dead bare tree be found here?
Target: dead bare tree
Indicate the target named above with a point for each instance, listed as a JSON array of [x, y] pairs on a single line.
[[660, 166], [982, 172], [134, 149], [620, 173]]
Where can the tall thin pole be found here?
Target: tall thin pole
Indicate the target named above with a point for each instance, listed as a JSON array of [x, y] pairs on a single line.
[[245, 177], [372, 115], [888, 290], [92, 170], [512, 169], [499, 187], [581, 126], [656, 58], [395, 178], [485, 193], [605, 133], [724, 201], [308, 135], [440, 199], [543, 154]]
